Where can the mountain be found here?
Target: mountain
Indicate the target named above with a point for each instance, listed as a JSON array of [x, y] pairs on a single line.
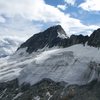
[[56, 37], [52, 37], [94, 39], [44, 69]]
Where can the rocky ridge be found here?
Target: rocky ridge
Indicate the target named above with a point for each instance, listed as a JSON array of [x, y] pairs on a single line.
[[53, 36], [56, 36]]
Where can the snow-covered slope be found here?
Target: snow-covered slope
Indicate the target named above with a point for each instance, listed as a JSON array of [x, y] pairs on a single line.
[[77, 64]]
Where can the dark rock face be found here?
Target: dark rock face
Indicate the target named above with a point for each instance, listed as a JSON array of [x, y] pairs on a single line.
[[47, 38], [56, 36], [53, 36], [12, 91], [78, 39], [94, 39], [49, 90]]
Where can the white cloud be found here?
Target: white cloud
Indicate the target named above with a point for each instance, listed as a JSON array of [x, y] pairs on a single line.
[[74, 26], [71, 2], [91, 5], [9, 44], [23, 13], [62, 7], [18, 26], [30, 9], [2, 20]]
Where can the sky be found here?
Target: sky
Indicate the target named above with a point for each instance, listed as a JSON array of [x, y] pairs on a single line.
[[23, 18]]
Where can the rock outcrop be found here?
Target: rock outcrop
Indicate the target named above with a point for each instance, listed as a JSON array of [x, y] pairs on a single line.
[[49, 90], [53, 36], [94, 39]]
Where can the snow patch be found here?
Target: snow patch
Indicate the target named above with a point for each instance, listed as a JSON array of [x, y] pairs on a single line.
[[62, 36], [36, 98]]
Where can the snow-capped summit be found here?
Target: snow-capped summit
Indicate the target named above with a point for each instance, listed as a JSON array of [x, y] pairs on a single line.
[[53, 36]]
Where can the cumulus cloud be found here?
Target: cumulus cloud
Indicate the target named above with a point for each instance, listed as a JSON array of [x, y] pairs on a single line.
[[2, 20], [74, 26], [62, 7], [9, 44], [30, 9], [91, 5], [22, 16], [71, 2]]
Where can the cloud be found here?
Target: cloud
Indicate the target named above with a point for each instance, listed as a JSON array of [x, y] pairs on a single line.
[[71, 2], [62, 7], [26, 17], [74, 26], [9, 45], [91, 5], [30, 9], [2, 20]]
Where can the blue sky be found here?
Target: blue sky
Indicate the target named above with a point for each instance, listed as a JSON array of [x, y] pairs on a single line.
[[86, 17], [23, 18]]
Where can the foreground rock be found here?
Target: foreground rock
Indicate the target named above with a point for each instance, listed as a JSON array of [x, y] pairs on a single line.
[[49, 90], [43, 90]]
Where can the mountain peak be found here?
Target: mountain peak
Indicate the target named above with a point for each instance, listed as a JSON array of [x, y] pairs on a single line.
[[53, 36], [58, 31], [56, 27]]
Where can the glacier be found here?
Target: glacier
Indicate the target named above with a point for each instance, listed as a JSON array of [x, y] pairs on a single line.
[[76, 64]]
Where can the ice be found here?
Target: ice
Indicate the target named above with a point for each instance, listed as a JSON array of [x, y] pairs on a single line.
[[70, 65]]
